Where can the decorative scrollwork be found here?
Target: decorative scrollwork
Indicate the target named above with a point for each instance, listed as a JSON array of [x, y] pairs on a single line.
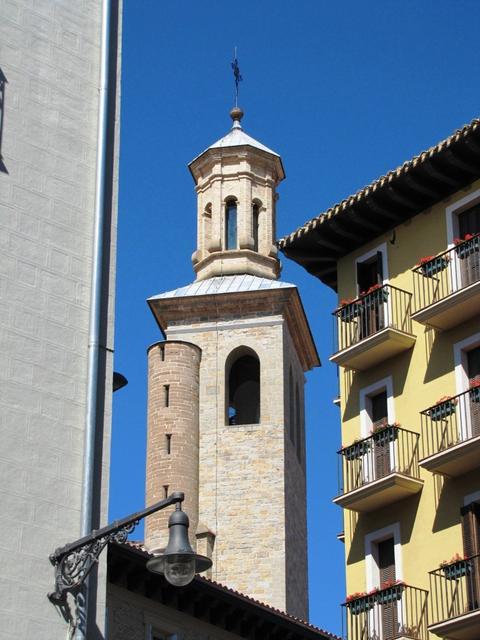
[[72, 568]]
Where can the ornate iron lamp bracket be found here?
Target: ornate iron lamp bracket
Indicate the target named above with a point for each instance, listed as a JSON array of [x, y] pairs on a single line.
[[74, 561]]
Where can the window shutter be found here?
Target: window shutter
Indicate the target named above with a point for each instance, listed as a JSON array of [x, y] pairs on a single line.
[[471, 529], [469, 221], [471, 547], [386, 565], [379, 267]]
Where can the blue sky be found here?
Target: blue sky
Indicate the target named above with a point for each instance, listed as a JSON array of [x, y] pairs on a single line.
[[344, 91]]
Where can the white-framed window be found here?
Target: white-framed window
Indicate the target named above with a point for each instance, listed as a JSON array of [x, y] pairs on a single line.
[[457, 222], [367, 394], [463, 217], [371, 268], [383, 564], [372, 558], [376, 411], [467, 368]]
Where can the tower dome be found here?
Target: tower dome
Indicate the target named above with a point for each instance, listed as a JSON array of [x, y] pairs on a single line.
[[236, 180]]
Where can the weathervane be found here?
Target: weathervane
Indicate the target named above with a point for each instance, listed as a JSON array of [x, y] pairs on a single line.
[[237, 76]]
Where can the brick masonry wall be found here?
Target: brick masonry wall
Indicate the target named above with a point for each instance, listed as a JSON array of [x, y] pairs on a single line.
[[174, 366], [49, 53], [244, 470]]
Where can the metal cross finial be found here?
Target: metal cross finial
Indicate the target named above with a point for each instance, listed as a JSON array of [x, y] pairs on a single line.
[[237, 76]]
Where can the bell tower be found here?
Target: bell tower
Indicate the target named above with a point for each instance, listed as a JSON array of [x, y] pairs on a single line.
[[226, 388], [236, 180]]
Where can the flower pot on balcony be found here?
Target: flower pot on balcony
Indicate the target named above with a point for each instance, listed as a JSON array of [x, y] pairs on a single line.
[[390, 595], [466, 249], [389, 433], [349, 312], [360, 606], [457, 570], [432, 267], [375, 298], [442, 410], [475, 394], [356, 450]]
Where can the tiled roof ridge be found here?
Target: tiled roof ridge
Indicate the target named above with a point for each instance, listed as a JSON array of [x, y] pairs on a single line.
[[139, 546], [380, 182]]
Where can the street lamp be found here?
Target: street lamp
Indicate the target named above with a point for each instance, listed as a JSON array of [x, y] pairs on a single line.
[[179, 562]]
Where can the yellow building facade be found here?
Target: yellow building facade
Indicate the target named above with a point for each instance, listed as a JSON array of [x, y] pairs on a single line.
[[404, 257]]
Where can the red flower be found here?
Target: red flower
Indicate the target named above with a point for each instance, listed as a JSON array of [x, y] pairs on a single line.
[[445, 399], [456, 558], [355, 596], [468, 236], [424, 260]]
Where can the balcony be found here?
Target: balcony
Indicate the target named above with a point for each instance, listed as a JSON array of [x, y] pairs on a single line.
[[396, 612], [455, 600], [374, 327], [379, 470], [451, 434], [447, 287]]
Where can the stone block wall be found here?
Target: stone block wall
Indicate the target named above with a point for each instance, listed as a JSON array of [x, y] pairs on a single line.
[[296, 565], [243, 468], [49, 55]]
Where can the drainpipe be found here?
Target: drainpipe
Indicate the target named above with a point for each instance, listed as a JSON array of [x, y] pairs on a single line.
[[95, 305]]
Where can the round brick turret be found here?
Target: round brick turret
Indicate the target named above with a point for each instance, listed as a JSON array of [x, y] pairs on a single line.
[[173, 434]]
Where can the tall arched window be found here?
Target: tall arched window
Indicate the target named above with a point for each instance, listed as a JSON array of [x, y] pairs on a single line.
[[243, 387], [298, 424], [207, 224], [231, 224], [255, 222], [291, 407]]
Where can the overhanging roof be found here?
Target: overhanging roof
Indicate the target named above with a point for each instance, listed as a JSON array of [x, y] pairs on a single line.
[[399, 195], [204, 599]]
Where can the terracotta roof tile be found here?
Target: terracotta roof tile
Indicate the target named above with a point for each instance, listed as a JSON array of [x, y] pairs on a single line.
[[139, 546], [381, 182]]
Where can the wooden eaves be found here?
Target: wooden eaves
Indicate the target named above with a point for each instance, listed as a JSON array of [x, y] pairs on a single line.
[[392, 199]]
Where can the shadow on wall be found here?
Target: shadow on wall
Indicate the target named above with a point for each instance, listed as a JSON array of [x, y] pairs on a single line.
[[3, 82], [450, 500], [357, 382], [440, 360], [405, 511]]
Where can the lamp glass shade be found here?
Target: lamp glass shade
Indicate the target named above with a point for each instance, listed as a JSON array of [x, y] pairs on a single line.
[[179, 569], [179, 563]]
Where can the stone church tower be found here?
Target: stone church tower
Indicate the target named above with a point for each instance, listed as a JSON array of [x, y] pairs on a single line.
[[226, 389]]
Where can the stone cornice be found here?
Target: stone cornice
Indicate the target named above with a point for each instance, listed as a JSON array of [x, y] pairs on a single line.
[[169, 312]]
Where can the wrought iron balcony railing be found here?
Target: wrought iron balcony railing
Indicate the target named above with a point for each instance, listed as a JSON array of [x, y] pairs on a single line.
[[440, 276], [455, 594], [382, 308], [399, 611], [453, 420], [389, 449]]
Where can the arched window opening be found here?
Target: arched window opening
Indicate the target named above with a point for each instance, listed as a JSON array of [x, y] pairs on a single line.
[[243, 388], [207, 212], [291, 407], [298, 424], [231, 224], [255, 223]]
